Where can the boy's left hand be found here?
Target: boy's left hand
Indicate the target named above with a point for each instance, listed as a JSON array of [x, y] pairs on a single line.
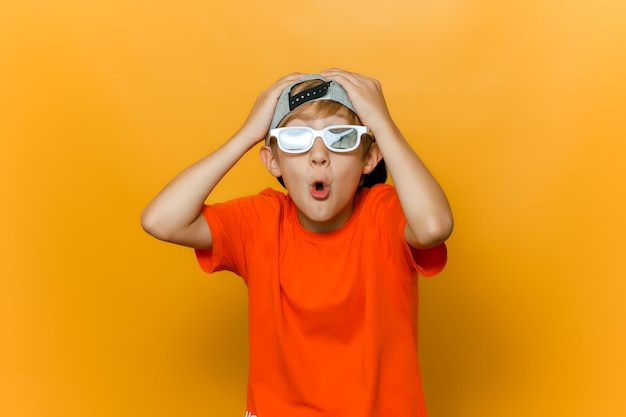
[[366, 95]]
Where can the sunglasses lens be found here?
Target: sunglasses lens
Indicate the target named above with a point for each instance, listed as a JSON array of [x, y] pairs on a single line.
[[342, 138], [300, 139], [295, 139]]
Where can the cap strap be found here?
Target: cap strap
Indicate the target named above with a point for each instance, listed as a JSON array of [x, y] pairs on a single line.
[[308, 95]]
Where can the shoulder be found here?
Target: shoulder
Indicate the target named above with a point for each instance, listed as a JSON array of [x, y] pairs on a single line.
[[378, 192], [267, 199], [379, 197], [380, 207], [273, 195], [247, 212]]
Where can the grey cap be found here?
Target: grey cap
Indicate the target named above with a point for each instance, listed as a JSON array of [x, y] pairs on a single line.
[[330, 90]]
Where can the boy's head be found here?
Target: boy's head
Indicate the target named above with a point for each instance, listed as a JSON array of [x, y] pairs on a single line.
[[316, 97]]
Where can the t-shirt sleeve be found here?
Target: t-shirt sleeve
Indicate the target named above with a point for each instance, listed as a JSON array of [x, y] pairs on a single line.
[[223, 255], [427, 262], [214, 259], [234, 227]]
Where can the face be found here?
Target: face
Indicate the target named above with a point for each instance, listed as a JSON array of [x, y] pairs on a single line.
[[322, 183]]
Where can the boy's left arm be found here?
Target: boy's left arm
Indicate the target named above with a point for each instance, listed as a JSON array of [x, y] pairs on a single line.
[[425, 206]]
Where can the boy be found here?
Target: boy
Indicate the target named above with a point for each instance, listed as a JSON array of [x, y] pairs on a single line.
[[331, 267]]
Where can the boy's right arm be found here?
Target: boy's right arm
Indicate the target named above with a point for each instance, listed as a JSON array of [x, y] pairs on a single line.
[[175, 214]]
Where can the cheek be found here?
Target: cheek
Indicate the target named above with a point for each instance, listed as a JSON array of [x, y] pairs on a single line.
[[351, 166], [293, 164], [291, 169]]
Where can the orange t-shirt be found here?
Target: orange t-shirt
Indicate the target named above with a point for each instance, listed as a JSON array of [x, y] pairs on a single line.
[[331, 315]]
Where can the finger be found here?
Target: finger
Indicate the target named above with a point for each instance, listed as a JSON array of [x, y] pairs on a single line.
[[284, 82], [351, 82], [336, 73], [347, 75], [293, 76]]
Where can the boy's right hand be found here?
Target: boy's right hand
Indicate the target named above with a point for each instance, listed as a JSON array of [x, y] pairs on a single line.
[[257, 124]]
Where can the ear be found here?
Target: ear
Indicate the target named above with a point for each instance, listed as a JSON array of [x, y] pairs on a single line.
[[270, 161], [372, 159]]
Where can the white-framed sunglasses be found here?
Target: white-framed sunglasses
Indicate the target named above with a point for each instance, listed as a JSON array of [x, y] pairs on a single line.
[[299, 139]]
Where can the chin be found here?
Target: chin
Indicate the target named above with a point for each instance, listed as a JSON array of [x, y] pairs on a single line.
[[319, 218]]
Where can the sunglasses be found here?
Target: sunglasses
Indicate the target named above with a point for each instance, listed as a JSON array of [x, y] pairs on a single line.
[[296, 139]]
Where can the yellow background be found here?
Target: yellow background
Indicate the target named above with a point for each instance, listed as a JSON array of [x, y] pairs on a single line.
[[516, 106]]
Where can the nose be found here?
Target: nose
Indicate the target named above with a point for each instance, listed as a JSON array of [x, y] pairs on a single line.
[[318, 155]]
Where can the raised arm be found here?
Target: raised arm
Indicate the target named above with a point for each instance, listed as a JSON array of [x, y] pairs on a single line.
[[425, 206], [175, 214]]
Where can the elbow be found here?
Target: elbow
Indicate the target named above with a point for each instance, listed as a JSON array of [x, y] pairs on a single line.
[[443, 230], [152, 224], [436, 236], [433, 233]]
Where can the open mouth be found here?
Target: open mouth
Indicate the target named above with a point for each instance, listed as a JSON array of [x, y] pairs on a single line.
[[319, 190]]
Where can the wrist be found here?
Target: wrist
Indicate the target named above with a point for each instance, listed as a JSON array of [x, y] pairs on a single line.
[[385, 128], [246, 139]]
